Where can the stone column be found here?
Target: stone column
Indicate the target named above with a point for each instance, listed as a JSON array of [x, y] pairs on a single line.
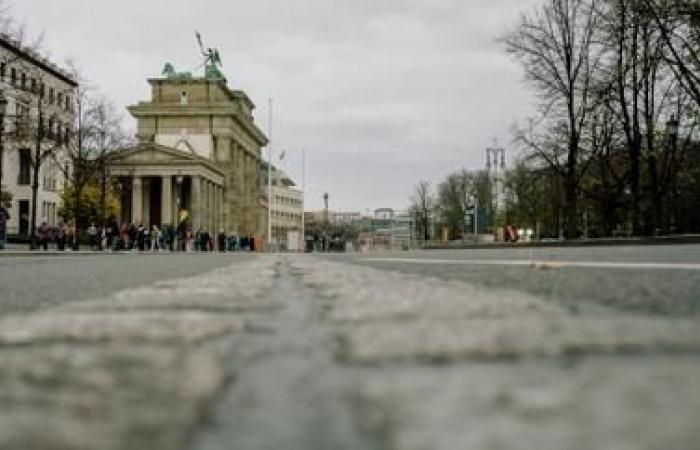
[[220, 207], [166, 213], [146, 196], [196, 207], [207, 209], [211, 208], [210, 204], [137, 200]]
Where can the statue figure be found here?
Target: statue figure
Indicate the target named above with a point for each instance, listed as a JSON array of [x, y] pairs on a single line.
[[212, 61], [171, 74]]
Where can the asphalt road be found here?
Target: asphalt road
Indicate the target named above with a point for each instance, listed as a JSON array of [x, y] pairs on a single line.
[[29, 283], [658, 280]]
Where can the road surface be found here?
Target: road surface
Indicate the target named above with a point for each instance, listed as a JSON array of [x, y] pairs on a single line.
[[574, 348]]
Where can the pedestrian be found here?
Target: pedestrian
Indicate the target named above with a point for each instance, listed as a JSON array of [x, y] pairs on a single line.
[[70, 237], [104, 237], [155, 238], [4, 216], [206, 241], [198, 240], [92, 235], [221, 239], [140, 236], [44, 235], [123, 241], [189, 240], [61, 236]]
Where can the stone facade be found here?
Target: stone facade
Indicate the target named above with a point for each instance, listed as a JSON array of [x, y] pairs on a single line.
[[286, 207], [26, 78], [198, 139]]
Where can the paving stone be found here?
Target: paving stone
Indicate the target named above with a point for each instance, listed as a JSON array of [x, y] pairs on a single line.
[[180, 327], [104, 397], [138, 370], [357, 294], [629, 403], [515, 338]]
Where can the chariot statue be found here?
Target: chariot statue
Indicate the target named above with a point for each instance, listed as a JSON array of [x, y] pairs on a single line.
[[171, 74], [212, 61]]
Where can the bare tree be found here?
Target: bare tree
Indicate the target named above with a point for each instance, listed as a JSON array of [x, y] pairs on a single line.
[[557, 48], [109, 137], [422, 206], [678, 22]]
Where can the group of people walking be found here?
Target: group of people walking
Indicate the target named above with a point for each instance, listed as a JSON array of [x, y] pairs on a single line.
[[139, 237]]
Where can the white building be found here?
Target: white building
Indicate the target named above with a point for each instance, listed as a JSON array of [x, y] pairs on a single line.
[[25, 79], [286, 206]]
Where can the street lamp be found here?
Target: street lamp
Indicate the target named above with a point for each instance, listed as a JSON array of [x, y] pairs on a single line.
[[672, 131], [179, 179], [3, 112]]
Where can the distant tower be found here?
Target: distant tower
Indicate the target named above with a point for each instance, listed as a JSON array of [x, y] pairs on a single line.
[[496, 168], [325, 207]]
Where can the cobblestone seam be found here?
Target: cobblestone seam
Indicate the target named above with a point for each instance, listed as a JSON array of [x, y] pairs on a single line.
[[449, 365], [136, 370]]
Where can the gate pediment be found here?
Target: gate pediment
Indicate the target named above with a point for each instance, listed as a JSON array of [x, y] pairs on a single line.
[[153, 154], [157, 160]]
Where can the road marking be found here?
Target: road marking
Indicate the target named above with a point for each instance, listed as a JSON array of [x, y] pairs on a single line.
[[542, 264]]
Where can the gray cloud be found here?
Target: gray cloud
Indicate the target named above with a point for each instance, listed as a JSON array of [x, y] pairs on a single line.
[[382, 93]]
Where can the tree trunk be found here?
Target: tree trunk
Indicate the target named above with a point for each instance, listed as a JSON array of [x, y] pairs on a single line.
[[571, 218], [35, 180], [76, 235]]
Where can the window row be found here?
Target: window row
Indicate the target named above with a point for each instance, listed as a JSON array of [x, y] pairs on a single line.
[[286, 216], [52, 128], [281, 200], [50, 172], [20, 80]]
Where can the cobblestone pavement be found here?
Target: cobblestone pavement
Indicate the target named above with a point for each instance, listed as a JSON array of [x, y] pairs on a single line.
[[294, 352]]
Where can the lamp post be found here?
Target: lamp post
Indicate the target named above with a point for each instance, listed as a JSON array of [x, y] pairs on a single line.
[[3, 213], [672, 132], [179, 179], [3, 112]]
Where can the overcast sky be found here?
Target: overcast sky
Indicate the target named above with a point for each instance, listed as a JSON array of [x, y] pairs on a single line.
[[381, 93]]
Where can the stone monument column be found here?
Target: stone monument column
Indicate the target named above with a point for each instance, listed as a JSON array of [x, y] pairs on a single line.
[[166, 215], [137, 200], [196, 206]]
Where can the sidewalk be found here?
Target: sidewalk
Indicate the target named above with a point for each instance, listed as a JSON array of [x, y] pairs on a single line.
[[661, 240]]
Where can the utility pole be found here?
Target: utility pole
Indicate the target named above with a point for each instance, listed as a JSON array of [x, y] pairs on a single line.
[[303, 200], [269, 175]]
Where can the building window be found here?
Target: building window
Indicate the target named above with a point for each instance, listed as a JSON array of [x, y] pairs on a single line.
[[67, 102], [52, 93], [13, 76], [33, 84], [3, 71], [51, 128], [23, 82], [25, 167], [59, 99], [66, 137]]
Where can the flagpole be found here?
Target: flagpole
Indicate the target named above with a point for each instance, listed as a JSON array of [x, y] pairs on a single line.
[[303, 200], [269, 176]]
